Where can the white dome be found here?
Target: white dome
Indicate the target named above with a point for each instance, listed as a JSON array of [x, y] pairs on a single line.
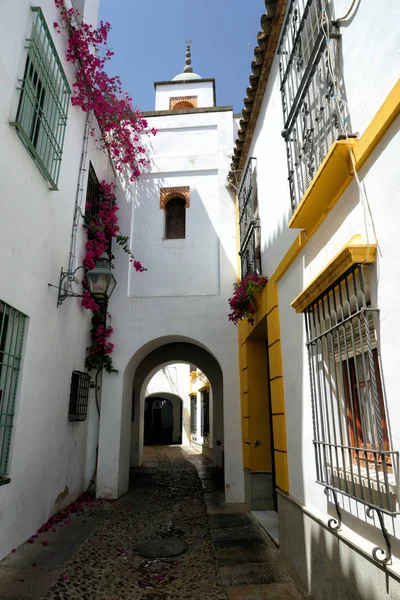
[[186, 76]]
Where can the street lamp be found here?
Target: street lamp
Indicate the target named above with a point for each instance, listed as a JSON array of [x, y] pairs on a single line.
[[101, 281]]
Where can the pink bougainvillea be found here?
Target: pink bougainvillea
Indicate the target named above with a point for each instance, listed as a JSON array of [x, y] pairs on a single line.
[[94, 90], [121, 128], [101, 229], [243, 304]]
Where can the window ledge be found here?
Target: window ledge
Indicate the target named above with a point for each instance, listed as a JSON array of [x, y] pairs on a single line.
[[4, 480], [374, 480], [326, 187]]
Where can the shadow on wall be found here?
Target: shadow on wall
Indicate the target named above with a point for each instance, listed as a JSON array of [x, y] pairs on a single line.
[[333, 568]]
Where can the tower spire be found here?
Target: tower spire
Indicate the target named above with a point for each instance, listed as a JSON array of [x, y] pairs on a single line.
[[188, 62]]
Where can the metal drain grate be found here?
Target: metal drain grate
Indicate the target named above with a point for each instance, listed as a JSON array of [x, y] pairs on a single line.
[[160, 548]]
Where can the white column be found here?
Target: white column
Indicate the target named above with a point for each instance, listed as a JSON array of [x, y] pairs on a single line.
[[114, 438]]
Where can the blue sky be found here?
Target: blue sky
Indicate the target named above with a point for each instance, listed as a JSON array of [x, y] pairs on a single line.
[[148, 38]]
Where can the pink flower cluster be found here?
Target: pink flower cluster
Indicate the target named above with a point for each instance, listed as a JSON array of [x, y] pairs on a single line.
[[101, 228], [243, 304], [85, 502], [94, 90]]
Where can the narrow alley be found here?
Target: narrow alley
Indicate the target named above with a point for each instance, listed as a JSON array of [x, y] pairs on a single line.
[[170, 537]]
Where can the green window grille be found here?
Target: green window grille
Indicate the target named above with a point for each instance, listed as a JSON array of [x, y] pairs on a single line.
[[12, 324], [43, 102]]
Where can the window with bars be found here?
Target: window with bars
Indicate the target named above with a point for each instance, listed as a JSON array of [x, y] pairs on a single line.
[[92, 193], [351, 440], [175, 219], [43, 101], [79, 396], [249, 222], [12, 325], [205, 412], [193, 414], [309, 74]]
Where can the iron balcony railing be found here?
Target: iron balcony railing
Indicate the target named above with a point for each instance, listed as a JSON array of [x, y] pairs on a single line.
[[308, 64], [249, 222], [250, 255]]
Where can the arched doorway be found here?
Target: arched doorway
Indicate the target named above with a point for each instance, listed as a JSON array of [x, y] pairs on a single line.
[[177, 352], [162, 419], [122, 414]]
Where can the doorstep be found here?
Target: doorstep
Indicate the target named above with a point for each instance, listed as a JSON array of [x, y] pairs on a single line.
[[269, 521]]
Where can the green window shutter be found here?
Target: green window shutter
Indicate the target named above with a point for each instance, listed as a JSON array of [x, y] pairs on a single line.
[[12, 325], [43, 103]]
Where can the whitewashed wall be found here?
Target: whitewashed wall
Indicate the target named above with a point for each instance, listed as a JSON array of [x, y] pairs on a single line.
[[47, 453], [370, 69], [204, 91], [174, 300]]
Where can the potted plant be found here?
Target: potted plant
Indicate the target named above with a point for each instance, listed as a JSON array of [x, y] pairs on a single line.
[[244, 302]]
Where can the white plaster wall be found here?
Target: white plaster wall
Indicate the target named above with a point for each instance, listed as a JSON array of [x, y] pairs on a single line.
[[154, 314], [198, 164], [204, 90], [47, 452], [376, 56], [370, 51]]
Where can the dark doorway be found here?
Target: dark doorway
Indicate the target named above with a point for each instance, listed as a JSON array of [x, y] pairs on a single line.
[[159, 421]]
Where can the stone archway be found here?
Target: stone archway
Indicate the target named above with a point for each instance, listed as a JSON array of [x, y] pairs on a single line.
[[122, 420], [170, 353]]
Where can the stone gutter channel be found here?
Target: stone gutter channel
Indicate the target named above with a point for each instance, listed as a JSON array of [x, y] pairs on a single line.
[[169, 538]]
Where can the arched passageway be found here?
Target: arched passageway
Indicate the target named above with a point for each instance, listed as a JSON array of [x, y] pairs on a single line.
[[121, 437], [176, 352]]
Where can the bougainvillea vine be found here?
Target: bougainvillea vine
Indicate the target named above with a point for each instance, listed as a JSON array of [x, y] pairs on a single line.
[[121, 127], [101, 229], [243, 304], [94, 90]]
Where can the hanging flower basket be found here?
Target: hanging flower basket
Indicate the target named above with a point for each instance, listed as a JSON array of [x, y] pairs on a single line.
[[244, 302]]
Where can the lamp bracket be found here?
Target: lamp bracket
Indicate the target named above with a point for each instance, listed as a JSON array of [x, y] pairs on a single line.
[[64, 286]]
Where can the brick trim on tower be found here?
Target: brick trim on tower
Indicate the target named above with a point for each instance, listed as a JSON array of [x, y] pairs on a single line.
[[166, 194], [184, 101]]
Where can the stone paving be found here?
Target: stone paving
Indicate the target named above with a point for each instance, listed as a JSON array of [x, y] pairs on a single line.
[[96, 556]]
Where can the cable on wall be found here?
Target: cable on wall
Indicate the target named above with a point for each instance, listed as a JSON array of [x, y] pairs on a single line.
[[343, 111]]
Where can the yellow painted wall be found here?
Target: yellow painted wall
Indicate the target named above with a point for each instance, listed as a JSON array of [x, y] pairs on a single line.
[[253, 355], [256, 396]]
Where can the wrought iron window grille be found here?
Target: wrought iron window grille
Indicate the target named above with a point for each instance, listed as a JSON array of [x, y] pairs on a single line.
[[249, 222], [309, 73], [41, 117], [92, 194], [79, 396], [350, 429], [193, 415], [205, 413], [12, 326]]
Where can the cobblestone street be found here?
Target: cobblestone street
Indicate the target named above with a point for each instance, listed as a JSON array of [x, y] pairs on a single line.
[[178, 496]]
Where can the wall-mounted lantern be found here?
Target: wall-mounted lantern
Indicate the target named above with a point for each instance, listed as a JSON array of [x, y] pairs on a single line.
[[101, 281]]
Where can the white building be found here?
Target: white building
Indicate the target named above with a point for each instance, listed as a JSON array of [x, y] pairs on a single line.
[[181, 219], [46, 459], [320, 112], [179, 409]]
